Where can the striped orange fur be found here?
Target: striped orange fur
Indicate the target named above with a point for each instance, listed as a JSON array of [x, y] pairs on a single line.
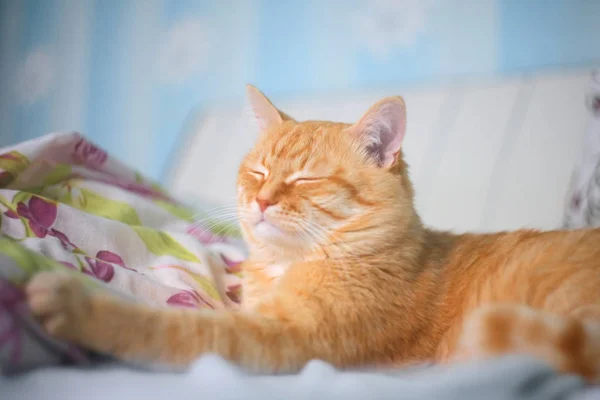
[[342, 269]]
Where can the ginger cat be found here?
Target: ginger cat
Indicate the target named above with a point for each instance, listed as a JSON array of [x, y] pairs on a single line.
[[342, 269]]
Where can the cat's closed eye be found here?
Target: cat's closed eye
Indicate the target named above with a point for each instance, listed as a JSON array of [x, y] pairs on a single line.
[[303, 180], [257, 174]]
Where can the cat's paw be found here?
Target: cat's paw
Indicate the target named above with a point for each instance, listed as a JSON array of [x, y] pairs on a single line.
[[60, 301]]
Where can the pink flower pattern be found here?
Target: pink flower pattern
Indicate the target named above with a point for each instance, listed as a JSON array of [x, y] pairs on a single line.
[[187, 299], [204, 235], [232, 267], [234, 293], [102, 266], [69, 265], [42, 216], [64, 241], [88, 154]]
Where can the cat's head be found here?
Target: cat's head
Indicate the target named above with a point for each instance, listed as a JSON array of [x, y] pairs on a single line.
[[315, 184]]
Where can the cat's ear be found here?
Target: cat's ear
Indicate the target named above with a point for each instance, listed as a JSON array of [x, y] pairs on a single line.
[[267, 115], [381, 130]]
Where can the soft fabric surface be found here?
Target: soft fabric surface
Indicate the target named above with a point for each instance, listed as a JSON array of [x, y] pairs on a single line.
[[212, 378], [66, 204]]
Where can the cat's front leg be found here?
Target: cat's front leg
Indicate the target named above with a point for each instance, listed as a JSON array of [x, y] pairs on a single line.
[[93, 319], [279, 338]]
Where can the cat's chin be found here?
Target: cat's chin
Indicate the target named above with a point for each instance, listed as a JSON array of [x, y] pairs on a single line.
[[274, 237], [267, 230]]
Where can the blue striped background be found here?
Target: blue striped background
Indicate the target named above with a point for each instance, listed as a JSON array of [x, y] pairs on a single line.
[[286, 48]]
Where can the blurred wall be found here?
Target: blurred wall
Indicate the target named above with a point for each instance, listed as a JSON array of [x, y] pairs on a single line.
[[128, 72]]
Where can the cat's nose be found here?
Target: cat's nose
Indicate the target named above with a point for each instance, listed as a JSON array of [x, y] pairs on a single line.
[[263, 204]]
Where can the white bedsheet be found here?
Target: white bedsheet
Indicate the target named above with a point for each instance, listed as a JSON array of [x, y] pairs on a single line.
[[214, 379]]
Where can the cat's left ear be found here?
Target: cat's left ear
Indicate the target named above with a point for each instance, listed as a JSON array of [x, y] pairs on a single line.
[[381, 130], [267, 115]]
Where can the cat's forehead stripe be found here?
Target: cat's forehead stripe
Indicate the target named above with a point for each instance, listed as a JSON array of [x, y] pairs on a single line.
[[298, 150], [283, 142], [302, 148], [298, 174]]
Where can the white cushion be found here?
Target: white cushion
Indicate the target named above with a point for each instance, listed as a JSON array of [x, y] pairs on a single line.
[[484, 156]]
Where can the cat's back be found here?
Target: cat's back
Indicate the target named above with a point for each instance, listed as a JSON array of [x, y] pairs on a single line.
[[553, 271], [526, 266]]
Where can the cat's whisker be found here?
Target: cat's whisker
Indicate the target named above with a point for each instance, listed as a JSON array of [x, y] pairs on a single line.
[[227, 229], [321, 238], [218, 214], [218, 217], [210, 224], [232, 205], [221, 214], [310, 232], [221, 225], [316, 242], [326, 237], [225, 206], [343, 261]]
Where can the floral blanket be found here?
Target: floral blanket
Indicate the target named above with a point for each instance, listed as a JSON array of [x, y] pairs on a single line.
[[582, 208], [66, 204]]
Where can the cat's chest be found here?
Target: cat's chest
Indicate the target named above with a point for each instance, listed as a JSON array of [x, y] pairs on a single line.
[[276, 270], [259, 281], [266, 272]]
